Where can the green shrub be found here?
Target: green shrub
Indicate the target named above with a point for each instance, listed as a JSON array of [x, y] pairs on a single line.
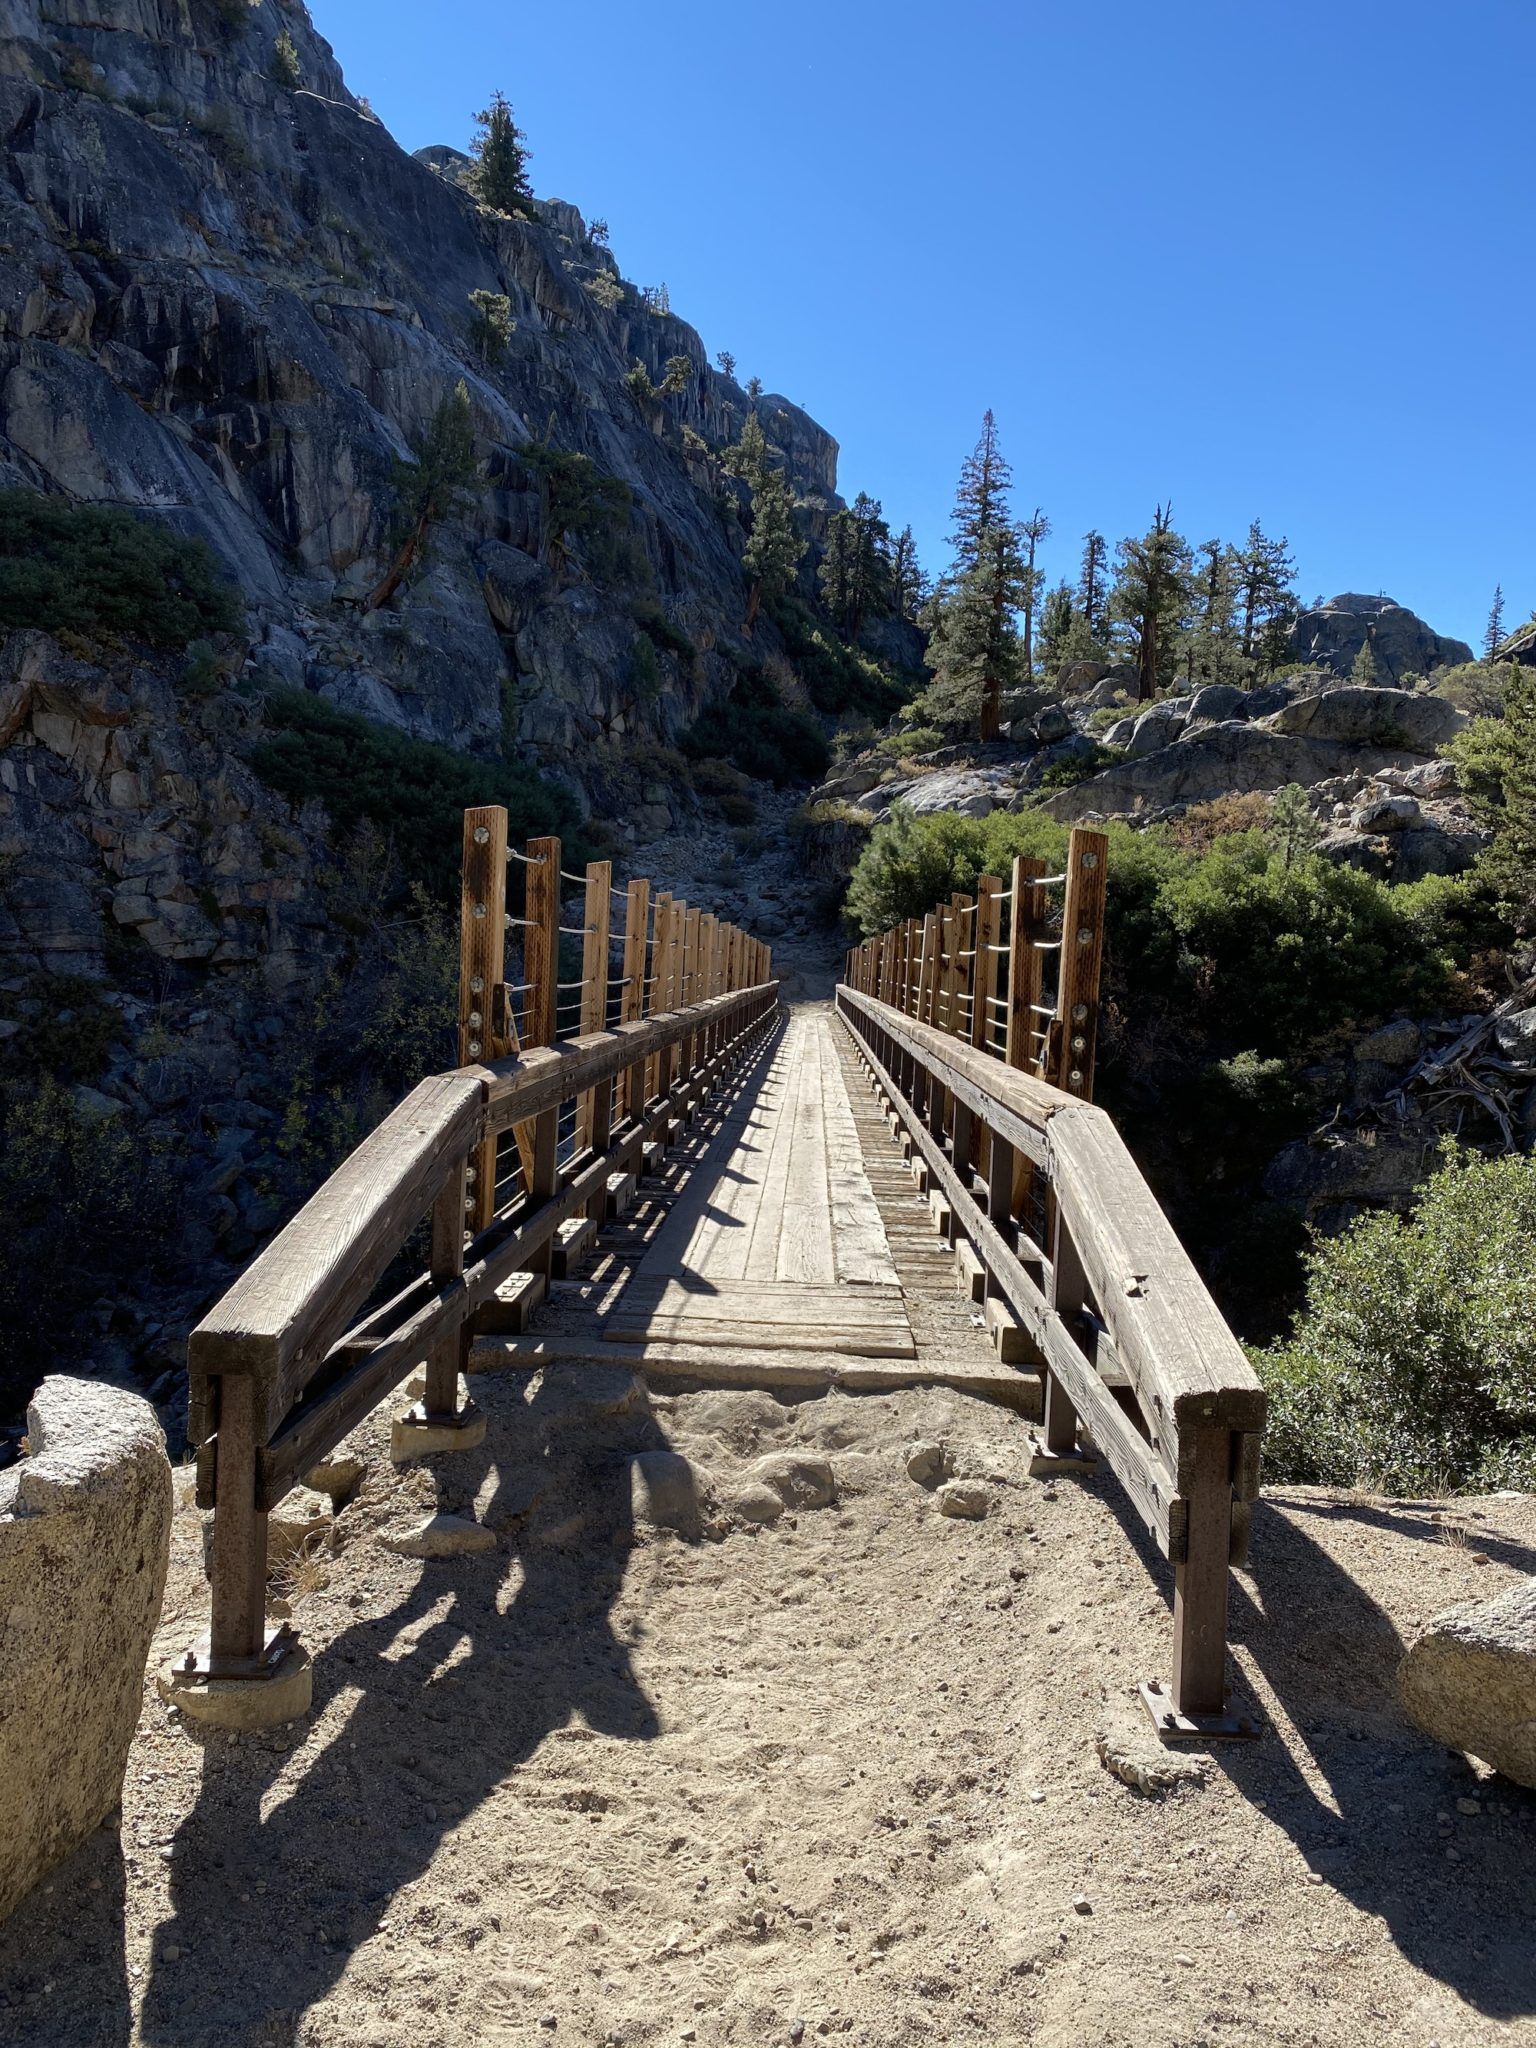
[[1412, 1367], [761, 734], [911, 741], [64, 1030], [736, 807], [97, 569], [413, 791], [838, 679], [1076, 767], [718, 778], [666, 637]]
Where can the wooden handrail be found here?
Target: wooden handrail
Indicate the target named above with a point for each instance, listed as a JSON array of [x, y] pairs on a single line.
[[1120, 1325]]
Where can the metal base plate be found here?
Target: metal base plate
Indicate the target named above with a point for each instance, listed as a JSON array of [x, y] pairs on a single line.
[[198, 1662], [1043, 1460], [1236, 1722]]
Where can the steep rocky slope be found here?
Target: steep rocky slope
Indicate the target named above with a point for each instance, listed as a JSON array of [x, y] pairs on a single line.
[[236, 302]]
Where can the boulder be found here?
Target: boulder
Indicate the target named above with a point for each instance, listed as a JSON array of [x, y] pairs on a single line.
[[85, 1523], [440, 1536], [1470, 1681], [1332, 634], [965, 1500], [1431, 778], [1218, 701], [1076, 678], [1328, 1180], [1388, 814], [1359, 715], [1052, 724], [1515, 1036], [1392, 1045], [1155, 729], [964, 791]]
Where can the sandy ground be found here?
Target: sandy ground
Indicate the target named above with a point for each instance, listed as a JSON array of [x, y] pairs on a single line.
[[836, 1778]]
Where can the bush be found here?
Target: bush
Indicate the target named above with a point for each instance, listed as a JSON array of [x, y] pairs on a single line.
[[96, 569], [1412, 1367], [761, 735], [1203, 824], [413, 791], [911, 741], [1074, 768], [838, 679]]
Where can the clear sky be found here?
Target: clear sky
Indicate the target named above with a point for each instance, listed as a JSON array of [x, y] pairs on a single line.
[[1265, 261]]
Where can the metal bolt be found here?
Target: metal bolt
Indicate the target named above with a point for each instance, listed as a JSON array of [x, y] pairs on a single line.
[[479, 910], [476, 985], [1090, 860], [1079, 1044], [481, 835], [474, 1020], [469, 1205], [1076, 1077], [1079, 1013], [1084, 936], [469, 1175], [474, 1048]]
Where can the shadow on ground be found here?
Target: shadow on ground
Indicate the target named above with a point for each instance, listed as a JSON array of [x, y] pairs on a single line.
[[1329, 1653], [276, 1885]]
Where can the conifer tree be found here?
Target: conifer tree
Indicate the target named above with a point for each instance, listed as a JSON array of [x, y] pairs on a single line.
[[1365, 668], [1493, 632], [836, 574], [1057, 623], [1211, 654], [428, 487], [676, 377], [775, 549], [909, 586], [871, 592], [974, 649], [1151, 598], [1266, 574], [981, 500], [498, 177], [1032, 531], [1093, 583], [748, 457], [725, 362]]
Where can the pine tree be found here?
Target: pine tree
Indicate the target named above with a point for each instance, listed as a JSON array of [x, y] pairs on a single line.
[[498, 177], [1032, 531], [1266, 598], [1365, 668], [428, 487], [725, 362], [754, 389], [981, 499], [909, 586], [870, 596], [1093, 584], [836, 574], [1211, 644], [597, 234], [1151, 598], [974, 649], [1493, 632], [1057, 621], [748, 457], [775, 549], [490, 325], [1292, 829], [676, 377]]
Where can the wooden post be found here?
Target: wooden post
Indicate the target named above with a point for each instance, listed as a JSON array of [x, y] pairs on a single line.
[[1024, 977], [985, 1016], [1082, 956], [541, 969], [237, 1625], [594, 988], [1200, 1582], [1069, 1295], [440, 1403], [637, 910], [656, 984], [482, 972]]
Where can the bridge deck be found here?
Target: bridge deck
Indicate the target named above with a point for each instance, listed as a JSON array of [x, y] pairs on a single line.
[[784, 1244]]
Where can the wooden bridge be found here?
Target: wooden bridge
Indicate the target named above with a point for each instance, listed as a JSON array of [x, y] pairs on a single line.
[[808, 1178]]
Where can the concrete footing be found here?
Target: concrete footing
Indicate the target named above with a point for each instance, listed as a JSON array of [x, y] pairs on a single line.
[[415, 1434], [242, 1703]]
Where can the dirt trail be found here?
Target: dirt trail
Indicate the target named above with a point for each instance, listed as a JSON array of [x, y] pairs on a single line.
[[833, 1779]]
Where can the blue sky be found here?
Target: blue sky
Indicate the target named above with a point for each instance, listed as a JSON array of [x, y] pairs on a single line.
[[1267, 261]]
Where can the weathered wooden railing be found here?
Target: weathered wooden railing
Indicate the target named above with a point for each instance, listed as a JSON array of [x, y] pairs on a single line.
[[1084, 1270], [527, 1143]]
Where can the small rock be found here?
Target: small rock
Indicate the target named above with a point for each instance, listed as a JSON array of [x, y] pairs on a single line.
[[755, 1503], [1129, 1750], [1468, 1806], [966, 1499], [441, 1536], [1081, 1903], [925, 1463], [662, 1491], [799, 1481]]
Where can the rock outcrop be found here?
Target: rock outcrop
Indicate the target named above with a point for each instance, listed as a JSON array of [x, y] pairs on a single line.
[[85, 1524], [1332, 635], [1470, 1681], [235, 303]]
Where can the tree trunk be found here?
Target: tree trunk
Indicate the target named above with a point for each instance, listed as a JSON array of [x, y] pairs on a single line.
[[754, 606], [406, 555]]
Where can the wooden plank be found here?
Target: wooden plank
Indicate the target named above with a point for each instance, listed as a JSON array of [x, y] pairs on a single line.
[[749, 1368], [1024, 963], [632, 1003], [770, 1336], [594, 984]]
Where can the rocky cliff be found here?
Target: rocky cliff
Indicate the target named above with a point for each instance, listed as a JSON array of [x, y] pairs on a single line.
[[235, 301]]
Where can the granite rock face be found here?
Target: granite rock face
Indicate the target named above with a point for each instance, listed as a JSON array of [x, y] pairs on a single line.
[[1332, 635], [85, 1524]]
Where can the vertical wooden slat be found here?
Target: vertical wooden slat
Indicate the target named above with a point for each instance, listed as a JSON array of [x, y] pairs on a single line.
[[441, 1399], [541, 968], [1082, 956], [986, 1018], [594, 982], [1024, 961], [237, 1628], [632, 1006], [1201, 1582], [482, 971]]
